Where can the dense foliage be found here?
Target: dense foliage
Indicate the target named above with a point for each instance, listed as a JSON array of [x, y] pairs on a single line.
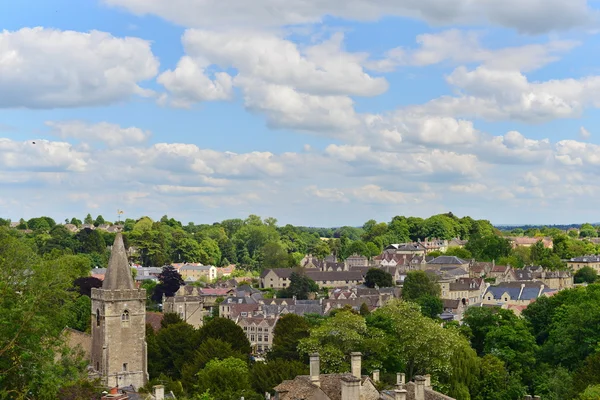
[[45, 286]]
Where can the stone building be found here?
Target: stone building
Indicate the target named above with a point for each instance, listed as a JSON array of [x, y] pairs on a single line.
[[118, 353]]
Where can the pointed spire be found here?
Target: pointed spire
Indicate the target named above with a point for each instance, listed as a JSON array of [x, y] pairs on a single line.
[[118, 273]]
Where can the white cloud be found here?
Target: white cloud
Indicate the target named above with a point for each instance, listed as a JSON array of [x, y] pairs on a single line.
[[584, 134], [530, 16], [329, 194], [189, 84], [472, 188], [41, 155], [48, 68], [303, 88], [495, 94], [111, 134], [462, 47]]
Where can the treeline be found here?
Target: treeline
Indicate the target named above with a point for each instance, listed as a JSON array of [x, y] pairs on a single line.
[[253, 243], [575, 231]]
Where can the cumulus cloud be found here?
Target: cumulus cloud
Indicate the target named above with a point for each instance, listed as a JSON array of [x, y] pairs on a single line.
[[111, 134], [495, 94], [584, 134], [530, 16], [49, 68], [41, 155]]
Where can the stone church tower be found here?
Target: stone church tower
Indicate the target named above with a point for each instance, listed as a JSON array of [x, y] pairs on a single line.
[[119, 325]]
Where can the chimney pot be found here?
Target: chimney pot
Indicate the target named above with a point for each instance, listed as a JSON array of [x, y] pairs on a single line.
[[400, 394], [376, 375], [400, 379], [159, 392], [114, 390], [420, 387]]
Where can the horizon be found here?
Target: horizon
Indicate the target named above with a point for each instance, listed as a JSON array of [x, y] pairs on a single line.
[[315, 113]]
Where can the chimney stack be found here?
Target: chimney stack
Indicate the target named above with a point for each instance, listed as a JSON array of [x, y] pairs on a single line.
[[419, 387], [427, 381], [400, 394], [159, 392], [355, 362], [315, 369], [350, 388], [400, 379], [376, 375]]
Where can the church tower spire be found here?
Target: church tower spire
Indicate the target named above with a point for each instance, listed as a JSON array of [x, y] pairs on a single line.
[[119, 355], [118, 273]]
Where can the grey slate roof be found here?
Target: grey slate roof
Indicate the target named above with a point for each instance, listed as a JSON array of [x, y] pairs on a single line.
[[118, 273], [448, 260], [531, 290], [586, 259]]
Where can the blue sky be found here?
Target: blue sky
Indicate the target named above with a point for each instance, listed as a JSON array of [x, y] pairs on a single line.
[[320, 113]]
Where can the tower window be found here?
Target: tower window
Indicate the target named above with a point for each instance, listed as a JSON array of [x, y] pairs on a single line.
[[124, 367], [97, 366], [97, 317], [125, 318]]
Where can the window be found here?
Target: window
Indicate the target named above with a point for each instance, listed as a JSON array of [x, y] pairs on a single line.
[[506, 299], [125, 318], [97, 366], [124, 367], [252, 338], [97, 317]]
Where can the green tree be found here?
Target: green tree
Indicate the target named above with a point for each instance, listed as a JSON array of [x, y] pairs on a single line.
[[300, 286], [227, 331], [265, 376], [170, 348], [364, 310], [212, 251], [459, 252], [418, 345], [587, 230], [495, 382], [36, 302], [224, 378], [431, 306], [587, 275], [338, 336], [210, 349], [418, 284], [274, 255], [88, 220], [288, 332], [76, 222], [591, 393], [99, 221], [81, 314], [488, 248], [188, 250], [378, 277]]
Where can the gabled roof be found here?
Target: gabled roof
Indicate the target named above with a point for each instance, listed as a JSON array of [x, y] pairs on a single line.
[[280, 272], [530, 290]]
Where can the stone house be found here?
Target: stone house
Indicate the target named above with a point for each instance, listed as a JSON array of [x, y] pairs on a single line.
[[193, 272], [193, 303], [502, 273], [517, 241], [356, 260], [276, 278], [515, 293], [259, 331], [467, 290], [335, 278], [592, 261], [448, 261], [558, 280]]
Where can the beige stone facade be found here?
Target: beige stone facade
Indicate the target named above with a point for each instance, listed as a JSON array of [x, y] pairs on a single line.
[[118, 354]]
